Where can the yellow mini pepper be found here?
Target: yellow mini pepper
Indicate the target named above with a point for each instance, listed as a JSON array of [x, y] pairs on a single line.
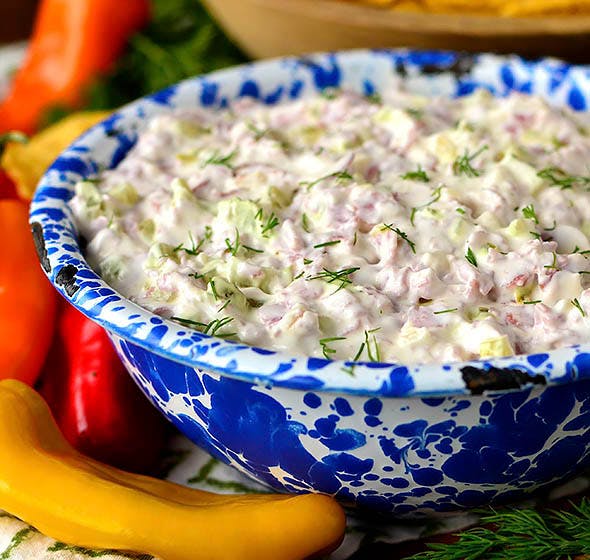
[[74, 499]]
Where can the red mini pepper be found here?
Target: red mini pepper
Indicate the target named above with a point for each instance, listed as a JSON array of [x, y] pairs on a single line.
[[73, 42], [96, 404]]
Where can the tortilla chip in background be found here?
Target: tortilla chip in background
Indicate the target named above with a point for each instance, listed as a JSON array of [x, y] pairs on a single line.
[[26, 163]]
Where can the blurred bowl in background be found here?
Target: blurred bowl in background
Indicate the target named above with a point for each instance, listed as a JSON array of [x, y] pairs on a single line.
[[268, 28]]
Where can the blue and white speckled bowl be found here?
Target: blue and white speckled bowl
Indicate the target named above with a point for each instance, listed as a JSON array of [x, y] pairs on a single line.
[[414, 440]]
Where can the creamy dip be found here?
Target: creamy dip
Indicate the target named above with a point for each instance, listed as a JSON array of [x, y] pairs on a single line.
[[405, 229]]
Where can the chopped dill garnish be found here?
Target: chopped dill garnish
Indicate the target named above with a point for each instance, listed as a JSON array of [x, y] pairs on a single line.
[[214, 289], [533, 302], [330, 276], [259, 133], [413, 112], [436, 194], [536, 235], [305, 223], [470, 256], [354, 239], [372, 346], [327, 244], [553, 264], [227, 302], [460, 211], [462, 164], [445, 311], [552, 228], [529, 213], [580, 252], [299, 275], [339, 175], [374, 98], [575, 302], [234, 247], [196, 275], [418, 175], [326, 350], [211, 328], [402, 234], [218, 159], [559, 178], [248, 248], [330, 93], [307, 261], [271, 222]]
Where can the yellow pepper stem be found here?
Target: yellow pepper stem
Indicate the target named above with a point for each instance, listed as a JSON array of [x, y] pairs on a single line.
[[72, 498]]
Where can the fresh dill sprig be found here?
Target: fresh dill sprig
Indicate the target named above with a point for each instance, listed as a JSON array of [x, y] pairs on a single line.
[[436, 194], [462, 164], [559, 178], [470, 256], [418, 175], [529, 213], [218, 159], [327, 244], [520, 534], [326, 350], [340, 175], [576, 303], [330, 276], [402, 234]]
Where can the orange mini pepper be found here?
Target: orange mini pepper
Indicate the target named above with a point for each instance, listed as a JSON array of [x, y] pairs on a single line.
[[27, 299], [69, 497], [73, 42]]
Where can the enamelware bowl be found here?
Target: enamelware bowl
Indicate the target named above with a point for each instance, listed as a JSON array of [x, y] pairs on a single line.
[[266, 28], [399, 439]]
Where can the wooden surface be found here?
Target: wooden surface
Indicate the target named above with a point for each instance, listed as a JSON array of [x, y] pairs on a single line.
[[16, 19], [282, 27]]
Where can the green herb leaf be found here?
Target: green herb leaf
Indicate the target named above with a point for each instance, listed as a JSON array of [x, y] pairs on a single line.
[[327, 244], [446, 311], [233, 247], [529, 213], [218, 159], [575, 302], [559, 178], [340, 175], [402, 234], [470, 256], [520, 534], [436, 194], [462, 165], [326, 350], [418, 175], [342, 276], [269, 224]]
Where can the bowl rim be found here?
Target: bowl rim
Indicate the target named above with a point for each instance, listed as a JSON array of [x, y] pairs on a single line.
[[67, 269]]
